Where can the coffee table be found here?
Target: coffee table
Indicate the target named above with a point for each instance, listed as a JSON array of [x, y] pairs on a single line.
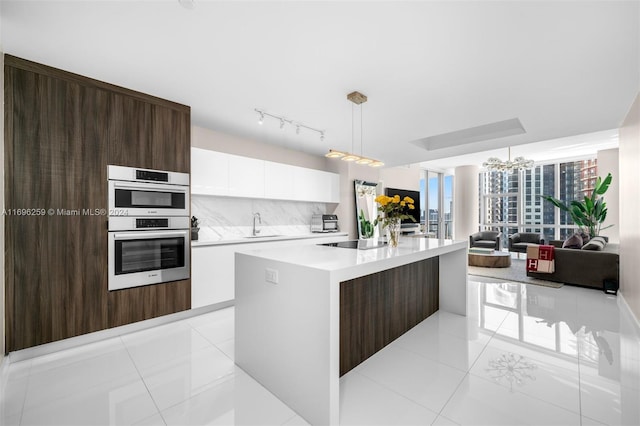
[[497, 259]]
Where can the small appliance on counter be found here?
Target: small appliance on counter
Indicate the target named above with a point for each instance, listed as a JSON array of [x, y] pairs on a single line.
[[324, 223]]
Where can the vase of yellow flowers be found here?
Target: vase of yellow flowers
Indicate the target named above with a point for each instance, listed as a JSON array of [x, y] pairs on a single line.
[[394, 209]]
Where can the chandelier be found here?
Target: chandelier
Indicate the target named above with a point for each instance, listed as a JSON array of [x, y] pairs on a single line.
[[518, 163], [358, 99]]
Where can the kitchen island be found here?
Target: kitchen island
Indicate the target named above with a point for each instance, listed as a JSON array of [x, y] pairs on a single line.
[[306, 315]]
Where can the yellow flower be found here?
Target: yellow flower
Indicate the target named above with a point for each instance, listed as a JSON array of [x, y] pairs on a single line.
[[408, 200], [403, 203], [411, 207], [396, 198], [383, 200]]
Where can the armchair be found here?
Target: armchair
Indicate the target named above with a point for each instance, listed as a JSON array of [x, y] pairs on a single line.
[[486, 239], [519, 242]]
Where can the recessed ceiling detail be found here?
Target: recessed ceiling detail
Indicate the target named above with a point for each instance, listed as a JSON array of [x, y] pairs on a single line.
[[484, 132]]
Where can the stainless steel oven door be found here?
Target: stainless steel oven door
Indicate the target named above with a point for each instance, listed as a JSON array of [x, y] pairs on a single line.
[[140, 258], [147, 199]]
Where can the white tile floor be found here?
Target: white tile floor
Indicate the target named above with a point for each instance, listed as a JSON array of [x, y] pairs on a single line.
[[524, 355]]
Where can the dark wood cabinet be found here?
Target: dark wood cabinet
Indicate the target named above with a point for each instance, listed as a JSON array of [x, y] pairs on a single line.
[[54, 168], [148, 135], [141, 303], [61, 131]]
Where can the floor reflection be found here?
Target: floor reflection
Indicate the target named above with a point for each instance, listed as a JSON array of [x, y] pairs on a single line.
[[512, 368], [551, 320], [567, 326]]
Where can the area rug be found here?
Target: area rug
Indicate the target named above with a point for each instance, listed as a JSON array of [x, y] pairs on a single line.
[[516, 272]]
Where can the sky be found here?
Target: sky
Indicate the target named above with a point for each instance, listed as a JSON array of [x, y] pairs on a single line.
[[433, 192]]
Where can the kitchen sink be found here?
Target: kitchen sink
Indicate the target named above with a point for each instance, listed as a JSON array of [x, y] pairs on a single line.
[[264, 236]]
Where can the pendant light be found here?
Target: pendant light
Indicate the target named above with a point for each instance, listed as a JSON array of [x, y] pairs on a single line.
[[358, 99]]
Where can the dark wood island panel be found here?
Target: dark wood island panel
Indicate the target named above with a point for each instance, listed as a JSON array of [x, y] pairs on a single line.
[[376, 309]]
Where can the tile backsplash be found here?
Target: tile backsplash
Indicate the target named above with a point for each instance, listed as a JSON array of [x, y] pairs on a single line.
[[229, 217]]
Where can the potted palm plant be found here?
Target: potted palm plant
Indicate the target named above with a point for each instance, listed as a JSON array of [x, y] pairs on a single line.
[[589, 213]]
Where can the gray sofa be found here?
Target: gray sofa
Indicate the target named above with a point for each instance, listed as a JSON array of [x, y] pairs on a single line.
[[586, 268]]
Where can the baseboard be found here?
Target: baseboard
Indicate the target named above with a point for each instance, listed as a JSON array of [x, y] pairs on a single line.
[[4, 372], [110, 333]]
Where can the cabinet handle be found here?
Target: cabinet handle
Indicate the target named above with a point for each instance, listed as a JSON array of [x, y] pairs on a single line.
[[148, 235], [151, 187]]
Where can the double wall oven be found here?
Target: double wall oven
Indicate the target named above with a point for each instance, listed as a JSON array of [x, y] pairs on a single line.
[[149, 227]]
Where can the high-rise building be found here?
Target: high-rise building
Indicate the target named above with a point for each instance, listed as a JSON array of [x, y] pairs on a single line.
[[500, 193]]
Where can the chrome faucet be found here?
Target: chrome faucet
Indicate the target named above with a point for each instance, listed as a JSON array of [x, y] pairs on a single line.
[[256, 231]]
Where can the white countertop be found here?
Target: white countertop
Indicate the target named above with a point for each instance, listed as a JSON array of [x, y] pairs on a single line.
[[262, 239], [356, 262]]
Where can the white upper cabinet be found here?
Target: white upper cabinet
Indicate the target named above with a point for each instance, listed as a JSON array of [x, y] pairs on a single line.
[[246, 177], [216, 173], [278, 181], [315, 185], [209, 172]]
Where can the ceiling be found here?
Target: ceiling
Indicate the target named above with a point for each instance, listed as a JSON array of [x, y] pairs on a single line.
[[563, 68]]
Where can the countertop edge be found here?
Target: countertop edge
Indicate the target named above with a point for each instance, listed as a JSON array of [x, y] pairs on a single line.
[[349, 271], [195, 244]]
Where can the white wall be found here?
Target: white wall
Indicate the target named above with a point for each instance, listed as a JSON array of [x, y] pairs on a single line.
[[608, 163], [629, 207], [465, 200], [222, 142], [404, 177]]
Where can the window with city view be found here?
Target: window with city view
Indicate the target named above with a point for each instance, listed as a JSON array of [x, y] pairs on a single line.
[[510, 201], [436, 193]]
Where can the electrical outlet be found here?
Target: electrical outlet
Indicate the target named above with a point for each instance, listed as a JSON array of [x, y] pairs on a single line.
[[271, 275]]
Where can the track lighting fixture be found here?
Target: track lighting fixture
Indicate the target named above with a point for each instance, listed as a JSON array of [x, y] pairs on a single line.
[[357, 98], [283, 121]]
